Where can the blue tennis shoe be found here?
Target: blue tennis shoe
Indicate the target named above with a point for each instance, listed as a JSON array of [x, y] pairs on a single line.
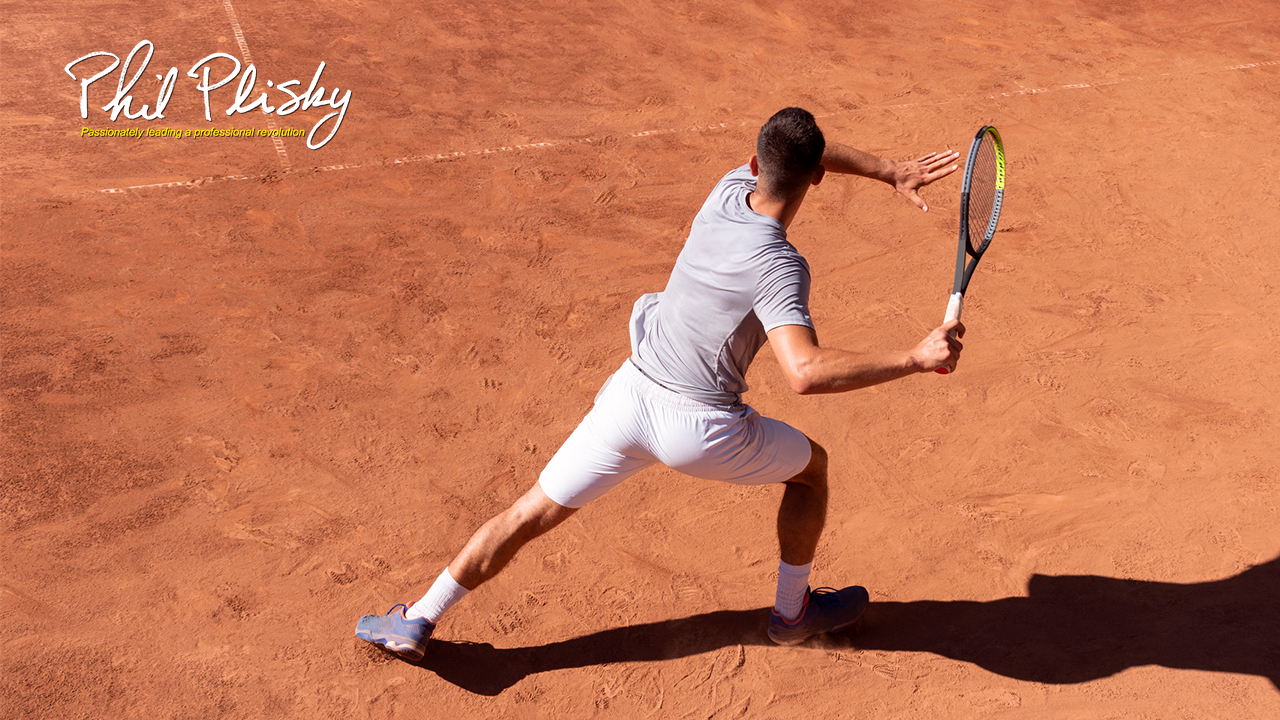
[[393, 631], [825, 610]]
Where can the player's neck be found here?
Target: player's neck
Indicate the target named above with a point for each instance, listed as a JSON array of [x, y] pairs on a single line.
[[784, 211]]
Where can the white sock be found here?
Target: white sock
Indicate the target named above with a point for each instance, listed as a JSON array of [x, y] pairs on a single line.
[[443, 594], [793, 586]]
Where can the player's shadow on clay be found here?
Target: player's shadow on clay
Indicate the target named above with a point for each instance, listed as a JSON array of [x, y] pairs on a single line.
[[1069, 629]]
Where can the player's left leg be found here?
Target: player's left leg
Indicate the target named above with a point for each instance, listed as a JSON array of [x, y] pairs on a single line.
[[406, 629], [595, 458], [497, 541]]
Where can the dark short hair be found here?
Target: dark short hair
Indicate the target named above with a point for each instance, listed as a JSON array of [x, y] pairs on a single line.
[[789, 150]]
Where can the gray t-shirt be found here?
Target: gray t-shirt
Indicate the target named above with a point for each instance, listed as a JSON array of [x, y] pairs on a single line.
[[736, 279]]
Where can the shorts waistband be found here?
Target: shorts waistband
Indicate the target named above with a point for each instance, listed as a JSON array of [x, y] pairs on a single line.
[[657, 392]]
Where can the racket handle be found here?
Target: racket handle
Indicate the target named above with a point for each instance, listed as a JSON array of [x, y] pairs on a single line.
[[954, 305]]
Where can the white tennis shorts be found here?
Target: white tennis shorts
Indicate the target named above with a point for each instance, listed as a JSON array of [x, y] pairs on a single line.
[[636, 423]]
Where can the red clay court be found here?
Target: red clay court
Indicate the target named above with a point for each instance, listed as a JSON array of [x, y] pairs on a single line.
[[254, 390]]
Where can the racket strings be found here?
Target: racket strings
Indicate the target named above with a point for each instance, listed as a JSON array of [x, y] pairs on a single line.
[[982, 193]]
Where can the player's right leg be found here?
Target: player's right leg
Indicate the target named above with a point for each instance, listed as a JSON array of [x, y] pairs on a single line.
[[803, 511], [741, 447], [800, 612]]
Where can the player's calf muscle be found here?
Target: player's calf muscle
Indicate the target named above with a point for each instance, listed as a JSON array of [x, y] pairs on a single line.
[[497, 541]]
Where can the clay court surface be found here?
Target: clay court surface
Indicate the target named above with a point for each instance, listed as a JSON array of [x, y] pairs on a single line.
[[242, 411]]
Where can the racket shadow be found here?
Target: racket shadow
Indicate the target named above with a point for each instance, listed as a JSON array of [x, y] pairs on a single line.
[[1069, 629], [1072, 629]]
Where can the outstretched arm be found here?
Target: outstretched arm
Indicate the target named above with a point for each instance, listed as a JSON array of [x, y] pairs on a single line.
[[811, 370], [906, 177]]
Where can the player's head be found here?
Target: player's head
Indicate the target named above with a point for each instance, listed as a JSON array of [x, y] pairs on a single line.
[[789, 150]]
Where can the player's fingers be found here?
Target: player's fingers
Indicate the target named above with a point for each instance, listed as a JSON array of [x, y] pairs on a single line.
[[940, 173], [954, 347], [936, 173], [953, 327], [925, 158], [914, 197], [935, 160], [946, 157]]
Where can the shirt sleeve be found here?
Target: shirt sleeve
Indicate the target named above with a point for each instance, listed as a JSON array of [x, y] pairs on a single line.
[[782, 297], [741, 175]]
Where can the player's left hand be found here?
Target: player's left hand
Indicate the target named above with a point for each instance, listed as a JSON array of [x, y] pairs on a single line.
[[910, 176]]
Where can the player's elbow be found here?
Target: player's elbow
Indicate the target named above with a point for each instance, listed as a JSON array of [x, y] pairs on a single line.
[[804, 389], [799, 357], [802, 381]]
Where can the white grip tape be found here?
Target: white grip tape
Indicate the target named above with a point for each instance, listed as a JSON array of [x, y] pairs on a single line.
[[953, 307]]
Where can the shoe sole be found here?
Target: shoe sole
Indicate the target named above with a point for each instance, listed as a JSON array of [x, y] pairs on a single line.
[[791, 643], [403, 649]]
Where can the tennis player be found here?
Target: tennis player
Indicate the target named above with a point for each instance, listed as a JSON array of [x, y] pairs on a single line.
[[678, 399]]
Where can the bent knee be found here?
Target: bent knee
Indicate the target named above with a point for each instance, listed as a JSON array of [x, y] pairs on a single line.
[[815, 473], [818, 456]]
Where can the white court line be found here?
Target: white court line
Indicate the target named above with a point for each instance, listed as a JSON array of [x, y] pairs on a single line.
[[244, 50], [437, 157]]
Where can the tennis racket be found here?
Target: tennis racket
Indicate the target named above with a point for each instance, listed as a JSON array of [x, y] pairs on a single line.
[[980, 200]]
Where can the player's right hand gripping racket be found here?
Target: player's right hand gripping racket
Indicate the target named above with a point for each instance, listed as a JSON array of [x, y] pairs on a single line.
[[980, 200]]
